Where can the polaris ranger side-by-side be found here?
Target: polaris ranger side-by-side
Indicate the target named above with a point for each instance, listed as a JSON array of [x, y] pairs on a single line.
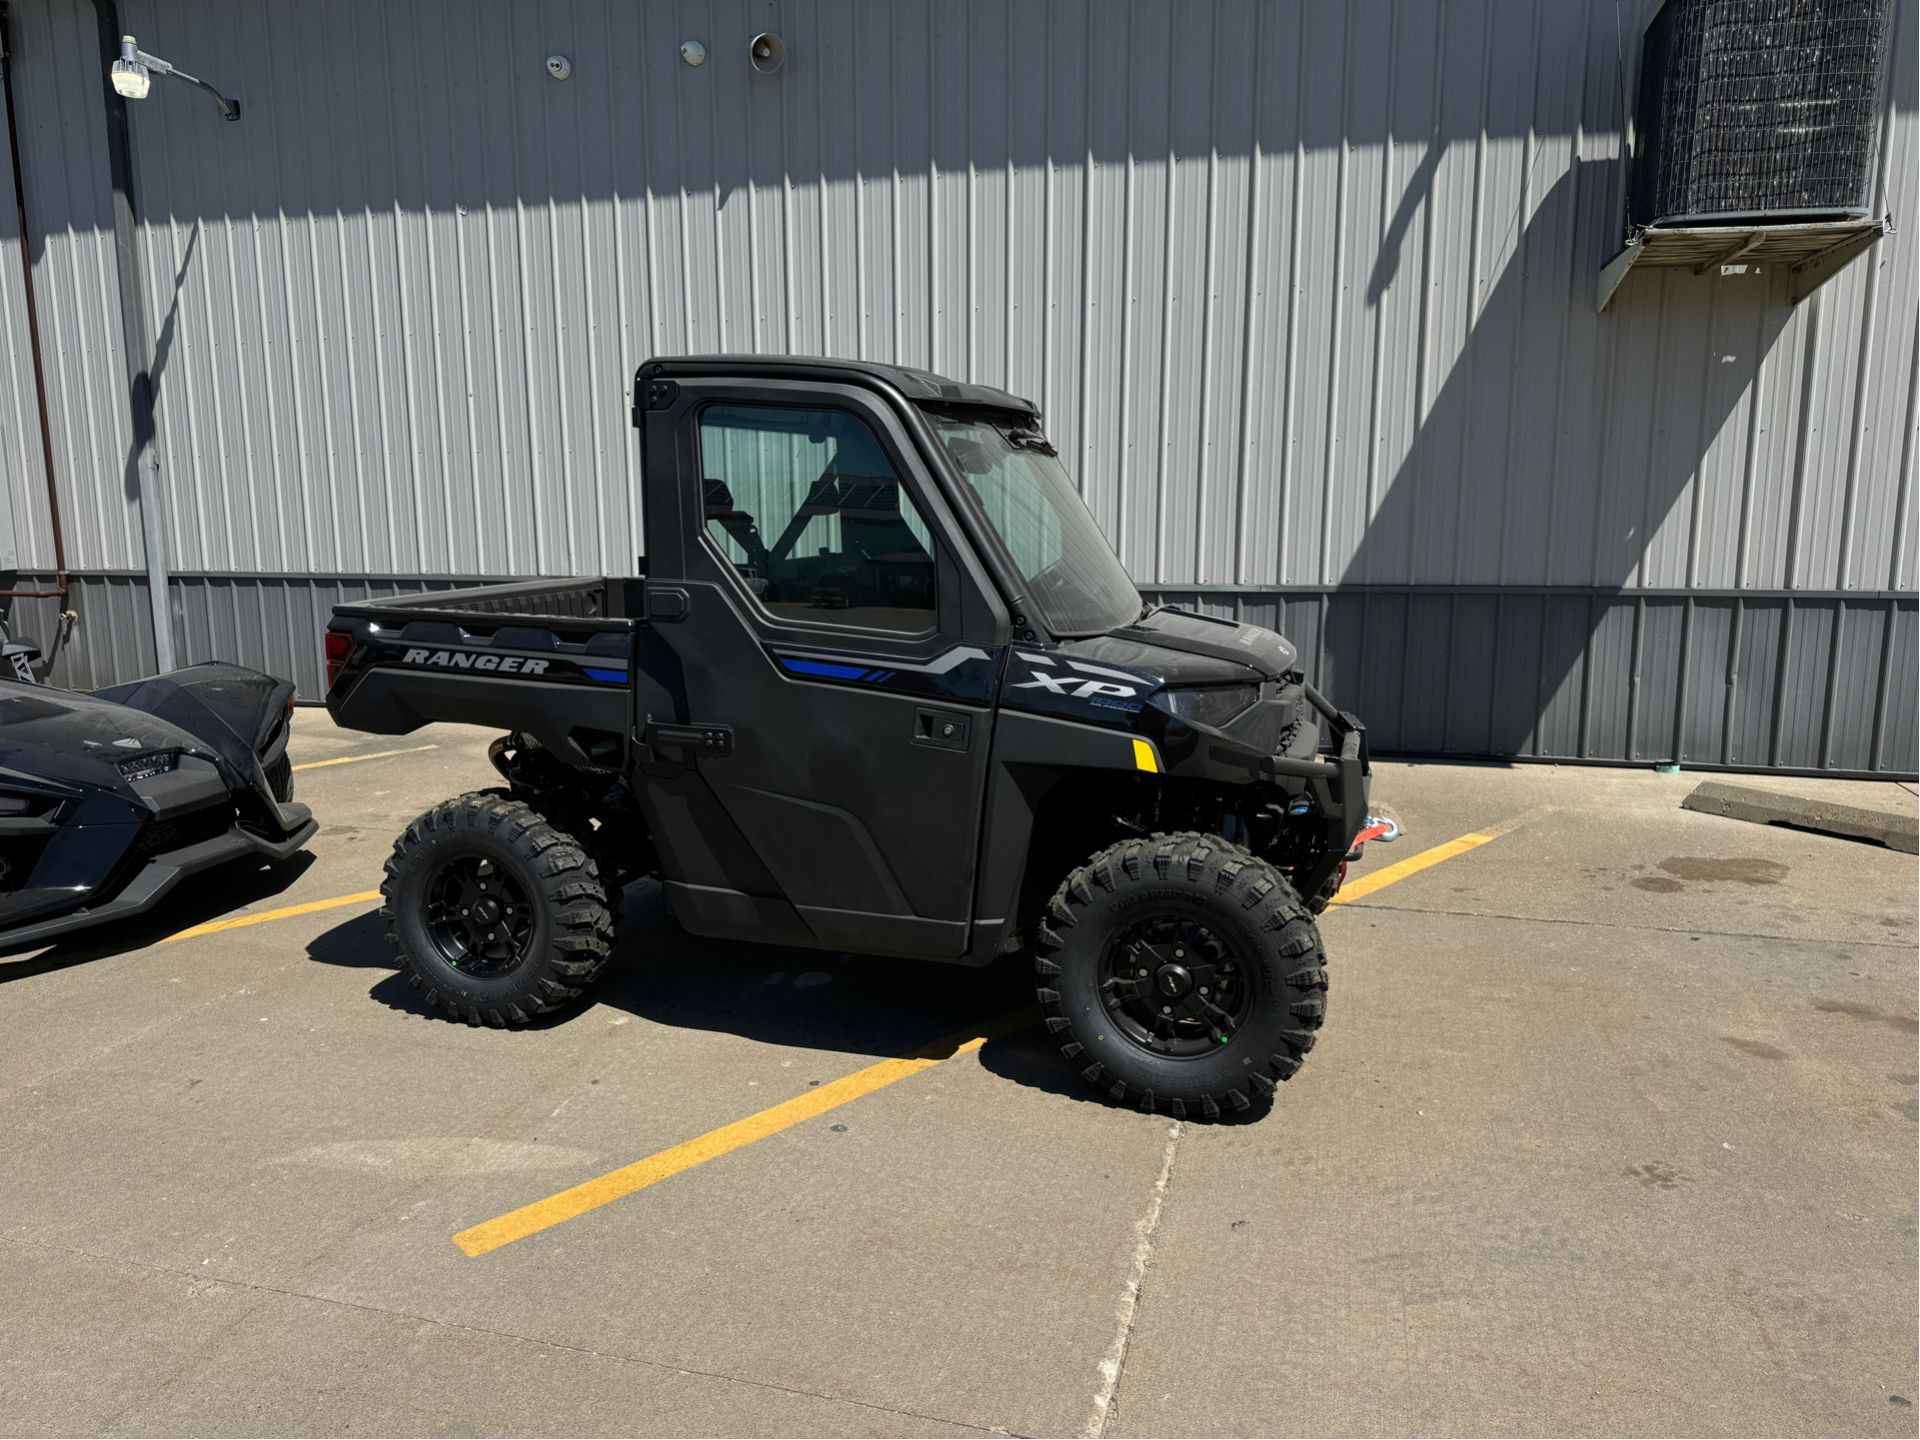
[[881, 687]]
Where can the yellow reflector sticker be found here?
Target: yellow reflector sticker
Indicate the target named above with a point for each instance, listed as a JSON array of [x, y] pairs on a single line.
[[1144, 758]]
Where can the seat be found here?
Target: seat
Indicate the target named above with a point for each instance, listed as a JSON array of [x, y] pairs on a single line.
[[739, 525]]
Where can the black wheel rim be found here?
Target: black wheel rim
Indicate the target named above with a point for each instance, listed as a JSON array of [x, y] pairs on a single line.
[[1173, 987], [478, 915]]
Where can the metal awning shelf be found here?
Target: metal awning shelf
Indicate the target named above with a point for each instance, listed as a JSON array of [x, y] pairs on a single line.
[[1812, 251]]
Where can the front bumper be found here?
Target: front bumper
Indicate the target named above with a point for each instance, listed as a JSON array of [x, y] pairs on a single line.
[[1340, 784], [161, 872]]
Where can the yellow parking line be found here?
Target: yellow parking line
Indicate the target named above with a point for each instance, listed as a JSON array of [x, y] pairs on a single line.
[[592, 1194], [531, 1219], [356, 759], [240, 922], [1374, 880]]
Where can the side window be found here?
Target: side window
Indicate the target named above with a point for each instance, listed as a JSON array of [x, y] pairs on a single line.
[[807, 507]]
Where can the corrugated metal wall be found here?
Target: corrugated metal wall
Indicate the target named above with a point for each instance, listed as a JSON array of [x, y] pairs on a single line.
[[1305, 291], [20, 463]]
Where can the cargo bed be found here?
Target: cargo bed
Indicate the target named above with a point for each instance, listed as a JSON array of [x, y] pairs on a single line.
[[551, 658]]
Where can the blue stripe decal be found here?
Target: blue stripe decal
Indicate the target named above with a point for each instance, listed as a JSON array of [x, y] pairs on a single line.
[[823, 668], [616, 676]]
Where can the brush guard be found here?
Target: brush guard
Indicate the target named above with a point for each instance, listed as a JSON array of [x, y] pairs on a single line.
[[1338, 785]]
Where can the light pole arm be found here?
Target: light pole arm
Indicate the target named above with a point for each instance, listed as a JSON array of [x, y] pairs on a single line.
[[228, 108]]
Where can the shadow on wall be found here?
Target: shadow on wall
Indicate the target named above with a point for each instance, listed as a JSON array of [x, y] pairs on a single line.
[[1555, 463], [163, 347]]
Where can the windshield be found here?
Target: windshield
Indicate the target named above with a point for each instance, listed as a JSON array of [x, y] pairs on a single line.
[[1074, 581]]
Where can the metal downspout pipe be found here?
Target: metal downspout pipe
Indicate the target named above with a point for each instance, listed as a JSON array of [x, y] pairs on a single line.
[[130, 261]]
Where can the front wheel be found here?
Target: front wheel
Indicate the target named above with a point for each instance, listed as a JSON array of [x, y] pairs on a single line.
[[1180, 972], [498, 914]]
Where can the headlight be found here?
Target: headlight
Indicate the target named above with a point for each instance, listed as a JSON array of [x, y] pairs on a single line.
[[1211, 705]]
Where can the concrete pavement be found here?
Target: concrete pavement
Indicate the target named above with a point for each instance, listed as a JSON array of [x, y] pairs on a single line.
[[1611, 1130]]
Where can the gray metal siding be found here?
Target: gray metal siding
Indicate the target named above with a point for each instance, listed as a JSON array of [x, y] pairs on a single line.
[[22, 471], [23, 505], [63, 161], [1305, 292]]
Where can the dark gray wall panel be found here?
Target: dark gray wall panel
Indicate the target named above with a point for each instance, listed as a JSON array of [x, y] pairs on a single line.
[[1565, 624], [1610, 692], [1384, 635], [1430, 671], [1475, 674], [1853, 688], [1806, 664], [1757, 676], [1424, 667], [1654, 679], [1515, 692], [1897, 726], [1709, 649]]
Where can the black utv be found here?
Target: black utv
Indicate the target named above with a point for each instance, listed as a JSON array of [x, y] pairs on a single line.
[[881, 686]]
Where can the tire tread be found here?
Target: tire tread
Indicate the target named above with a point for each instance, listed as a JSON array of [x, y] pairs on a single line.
[[568, 883], [1235, 878]]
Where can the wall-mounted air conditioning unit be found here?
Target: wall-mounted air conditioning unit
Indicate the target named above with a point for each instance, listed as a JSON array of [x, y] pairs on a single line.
[[1754, 137]]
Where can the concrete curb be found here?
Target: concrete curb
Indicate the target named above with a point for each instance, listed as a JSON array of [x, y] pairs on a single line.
[[1891, 828]]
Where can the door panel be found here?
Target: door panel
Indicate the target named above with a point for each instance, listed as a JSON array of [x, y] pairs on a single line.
[[827, 625]]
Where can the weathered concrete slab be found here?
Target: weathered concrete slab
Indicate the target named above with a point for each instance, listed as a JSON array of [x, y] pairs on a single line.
[[1895, 828], [1612, 1129]]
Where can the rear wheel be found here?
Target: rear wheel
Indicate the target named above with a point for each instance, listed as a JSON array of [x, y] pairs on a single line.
[[498, 914], [1179, 972]]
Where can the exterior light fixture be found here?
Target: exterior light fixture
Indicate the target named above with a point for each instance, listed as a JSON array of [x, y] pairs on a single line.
[[767, 52], [132, 76]]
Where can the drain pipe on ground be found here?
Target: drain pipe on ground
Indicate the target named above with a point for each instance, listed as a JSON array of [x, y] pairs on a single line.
[[130, 260]]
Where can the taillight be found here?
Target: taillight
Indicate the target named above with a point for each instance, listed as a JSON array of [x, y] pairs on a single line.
[[339, 647]]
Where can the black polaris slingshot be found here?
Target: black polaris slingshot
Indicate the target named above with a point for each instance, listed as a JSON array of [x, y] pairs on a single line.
[[109, 800]]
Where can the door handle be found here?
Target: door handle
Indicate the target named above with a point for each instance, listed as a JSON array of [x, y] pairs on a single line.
[[942, 729], [707, 739]]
